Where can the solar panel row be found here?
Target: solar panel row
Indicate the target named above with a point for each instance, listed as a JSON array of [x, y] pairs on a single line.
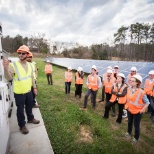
[[124, 66]]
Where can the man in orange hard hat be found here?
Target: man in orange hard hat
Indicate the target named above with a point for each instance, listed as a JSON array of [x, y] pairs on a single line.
[[29, 59], [22, 75]]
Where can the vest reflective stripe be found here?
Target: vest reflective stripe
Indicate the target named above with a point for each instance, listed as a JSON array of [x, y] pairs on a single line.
[[148, 87], [79, 80], [108, 85], [93, 83], [68, 76], [22, 81], [121, 100], [134, 101], [48, 68]]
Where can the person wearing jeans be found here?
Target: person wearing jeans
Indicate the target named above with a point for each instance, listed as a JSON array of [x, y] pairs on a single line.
[[68, 80], [136, 104]]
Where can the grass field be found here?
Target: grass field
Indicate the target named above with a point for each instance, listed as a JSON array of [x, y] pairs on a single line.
[[74, 131]]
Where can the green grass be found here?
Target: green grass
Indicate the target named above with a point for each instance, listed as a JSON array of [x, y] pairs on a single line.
[[64, 121]]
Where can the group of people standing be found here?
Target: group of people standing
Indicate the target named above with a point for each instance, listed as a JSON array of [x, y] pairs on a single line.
[[117, 89]]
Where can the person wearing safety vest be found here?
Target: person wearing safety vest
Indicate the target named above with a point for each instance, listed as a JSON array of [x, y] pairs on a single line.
[[103, 87], [119, 91], [108, 82], [22, 75], [29, 59], [93, 84], [79, 81], [149, 90], [133, 71], [48, 72], [136, 104], [68, 80]]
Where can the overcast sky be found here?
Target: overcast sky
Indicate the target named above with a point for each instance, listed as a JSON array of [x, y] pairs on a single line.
[[83, 21]]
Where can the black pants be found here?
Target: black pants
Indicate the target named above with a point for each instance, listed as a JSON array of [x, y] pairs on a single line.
[[108, 97], [49, 78], [149, 107], [136, 118], [93, 93], [108, 107], [67, 87], [34, 100], [78, 90], [103, 92], [24, 100]]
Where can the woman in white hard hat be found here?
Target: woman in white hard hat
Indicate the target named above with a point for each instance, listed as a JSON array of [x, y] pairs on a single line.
[[133, 71], [136, 104], [149, 90], [93, 84], [119, 91], [68, 79], [79, 81]]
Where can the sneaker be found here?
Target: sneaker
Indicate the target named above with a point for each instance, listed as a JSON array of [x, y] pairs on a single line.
[[134, 140], [36, 106], [127, 135], [34, 121], [24, 130]]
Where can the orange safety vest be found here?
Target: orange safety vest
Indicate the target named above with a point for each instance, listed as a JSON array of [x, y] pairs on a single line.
[[68, 76], [148, 87], [108, 85], [79, 80], [48, 68], [134, 101], [121, 100], [93, 83]]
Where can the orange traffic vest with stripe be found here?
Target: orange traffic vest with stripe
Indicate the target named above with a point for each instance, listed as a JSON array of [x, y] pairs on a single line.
[[148, 87], [48, 68], [108, 84], [134, 100], [68, 76], [93, 82], [121, 100], [105, 76], [79, 80]]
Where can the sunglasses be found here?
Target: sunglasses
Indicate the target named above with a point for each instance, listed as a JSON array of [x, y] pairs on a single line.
[[133, 71], [29, 57], [22, 53]]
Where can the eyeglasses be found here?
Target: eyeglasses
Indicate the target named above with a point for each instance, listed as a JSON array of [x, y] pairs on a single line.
[[132, 81], [22, 53]]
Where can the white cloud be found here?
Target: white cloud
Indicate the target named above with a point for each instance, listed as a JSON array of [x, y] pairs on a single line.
[[83, 21]]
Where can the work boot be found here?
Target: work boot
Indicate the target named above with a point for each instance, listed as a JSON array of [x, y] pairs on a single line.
[[101, 101], [36, 106], [34, 121], [24, 130]]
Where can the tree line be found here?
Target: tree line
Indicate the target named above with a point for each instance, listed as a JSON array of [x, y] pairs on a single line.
[[134, 43]]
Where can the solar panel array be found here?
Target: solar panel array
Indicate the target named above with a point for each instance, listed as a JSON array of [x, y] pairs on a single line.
[[124, 66]]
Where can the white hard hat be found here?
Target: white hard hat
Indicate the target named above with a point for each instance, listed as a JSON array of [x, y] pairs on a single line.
[[69, 68], [151, 72], [109, 71], [94, 67], [116, 66], [133, 69], [138, 77], [121, 75], [109, 67], [48, 61], [80, 69]]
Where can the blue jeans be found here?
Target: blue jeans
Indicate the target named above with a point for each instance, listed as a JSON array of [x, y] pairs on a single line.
[[152, 108], [24, 101], [136, 118], [93, 95], [67, 87]]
